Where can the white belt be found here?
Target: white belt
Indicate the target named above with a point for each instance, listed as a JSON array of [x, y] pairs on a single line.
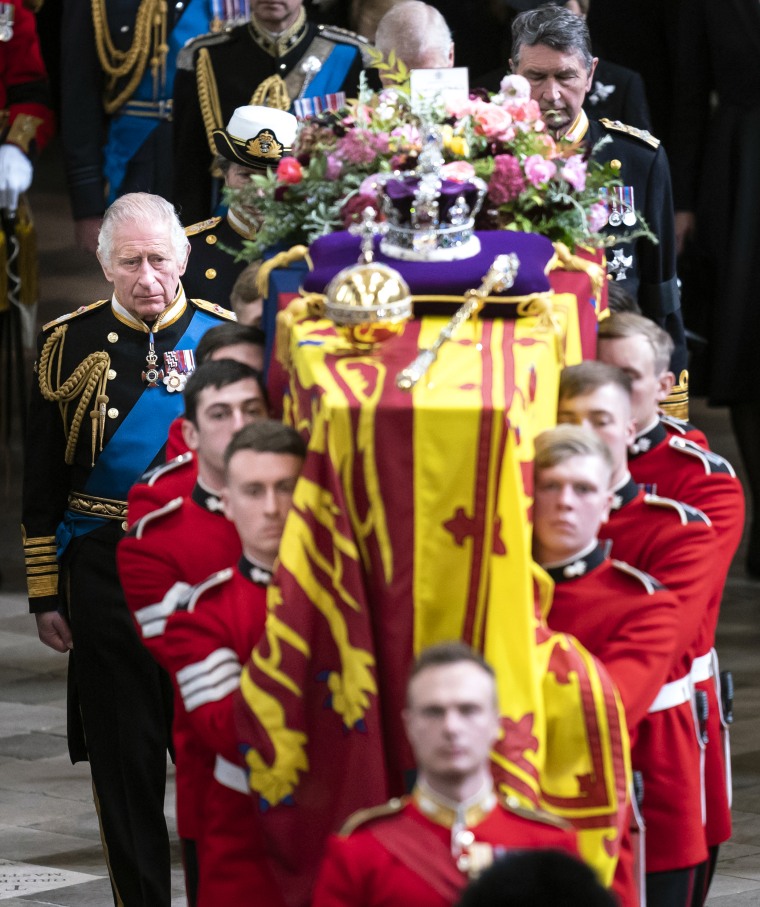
[[702, 668], [672, 694], [230, 775]]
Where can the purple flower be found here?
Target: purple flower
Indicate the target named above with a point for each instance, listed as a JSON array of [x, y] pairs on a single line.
[[507, 181], [360, 146], [574, 172], [333, 168], [538, 170]]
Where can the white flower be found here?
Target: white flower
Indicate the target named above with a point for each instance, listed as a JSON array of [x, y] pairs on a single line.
[[515, 87], [175, 382]]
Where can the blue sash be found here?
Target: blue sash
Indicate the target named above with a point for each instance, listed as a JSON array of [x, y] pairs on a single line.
[[128, 133], [135, 443], [332, 75]]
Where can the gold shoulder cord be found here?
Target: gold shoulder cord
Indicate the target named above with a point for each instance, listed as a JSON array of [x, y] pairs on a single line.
[[272, 92], [208, 96], [151, 15], [88, 378]]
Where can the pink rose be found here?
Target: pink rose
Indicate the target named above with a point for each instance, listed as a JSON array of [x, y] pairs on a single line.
[[369, 185], [289, 171], [538, 170], [574, 172], [597, 217], [493, 121], [459, 108], [459, 171]]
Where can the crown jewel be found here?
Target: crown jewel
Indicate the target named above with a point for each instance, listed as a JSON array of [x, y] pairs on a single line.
[[429, 217]]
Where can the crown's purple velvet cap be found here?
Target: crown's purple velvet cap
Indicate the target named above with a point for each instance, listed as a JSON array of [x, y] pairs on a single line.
[[401, 194], [332, 253]]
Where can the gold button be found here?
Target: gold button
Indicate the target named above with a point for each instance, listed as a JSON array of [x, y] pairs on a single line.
[[113, 413], [615, 164], [124, 525], [210, 273], [113, 337], [211, 240], [111, 374]]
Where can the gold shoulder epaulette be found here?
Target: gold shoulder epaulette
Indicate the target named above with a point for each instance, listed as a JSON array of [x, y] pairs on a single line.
[[513, 805], [642, 134], [650, 584], [344, 36], [186, 56], [213, 307], [362, 816], [202, 226], [80, 311], [336, 33]]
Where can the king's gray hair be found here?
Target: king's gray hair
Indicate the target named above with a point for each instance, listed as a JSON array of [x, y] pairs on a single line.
[[411, 28], [139, 207]]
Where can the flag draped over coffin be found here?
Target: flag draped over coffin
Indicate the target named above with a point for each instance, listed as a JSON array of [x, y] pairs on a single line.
[[410, 527]]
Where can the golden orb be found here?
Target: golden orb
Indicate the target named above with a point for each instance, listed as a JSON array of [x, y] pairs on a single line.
[[369, 303]]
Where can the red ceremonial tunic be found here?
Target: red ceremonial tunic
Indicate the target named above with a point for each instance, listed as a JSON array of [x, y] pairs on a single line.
[[184, 541], [403, 854], [673, 542], [174, 479], [625, 618], [175, 445], [24, 92], [630, 623], [678, 468], [683, 429], [207, 640]]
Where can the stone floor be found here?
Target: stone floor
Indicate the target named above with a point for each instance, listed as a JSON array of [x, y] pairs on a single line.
[[49, 843]]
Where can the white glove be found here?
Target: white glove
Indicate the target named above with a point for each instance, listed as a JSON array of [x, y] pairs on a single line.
[[15, 176]]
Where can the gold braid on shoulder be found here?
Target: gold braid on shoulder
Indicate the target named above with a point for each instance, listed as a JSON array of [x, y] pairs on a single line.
[[88, 379], [208, 96], [150, 32]]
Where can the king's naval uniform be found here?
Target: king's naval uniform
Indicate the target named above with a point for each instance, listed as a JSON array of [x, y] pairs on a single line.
[[95, 425]]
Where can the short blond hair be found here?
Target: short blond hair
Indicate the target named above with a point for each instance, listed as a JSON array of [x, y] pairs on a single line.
[[559, 444], [629, 324]]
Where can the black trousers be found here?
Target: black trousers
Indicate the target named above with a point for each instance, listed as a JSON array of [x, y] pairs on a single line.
[[120, 720]]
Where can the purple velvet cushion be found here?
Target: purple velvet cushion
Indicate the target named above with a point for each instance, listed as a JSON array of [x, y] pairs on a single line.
[[332, 253]]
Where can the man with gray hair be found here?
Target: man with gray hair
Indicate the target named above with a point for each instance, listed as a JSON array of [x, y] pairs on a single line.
[[103, 397], [418, 34], [551, 48]]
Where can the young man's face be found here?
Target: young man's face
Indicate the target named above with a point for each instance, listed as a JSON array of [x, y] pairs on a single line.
[[571, 501], [452, 721], [220, 413], [607, 412], [257, 496], [635, 356]]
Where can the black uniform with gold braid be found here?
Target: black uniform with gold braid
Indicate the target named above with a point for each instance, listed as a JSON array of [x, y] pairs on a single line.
[[244, 65], [646, 270], [211, 269], [102, 401]]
